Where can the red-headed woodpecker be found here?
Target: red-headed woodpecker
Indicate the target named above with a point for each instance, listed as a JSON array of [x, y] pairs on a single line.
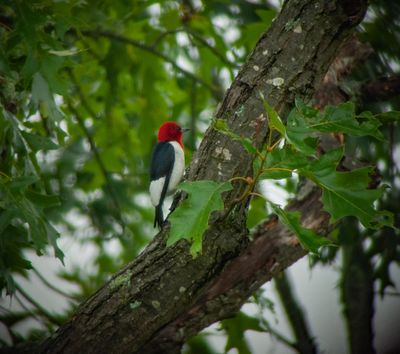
[[167, 166]]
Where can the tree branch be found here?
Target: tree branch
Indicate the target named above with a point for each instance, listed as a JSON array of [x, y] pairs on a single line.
[[273, 249], [295, 314]]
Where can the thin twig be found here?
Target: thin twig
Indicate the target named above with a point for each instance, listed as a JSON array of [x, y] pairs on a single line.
[[166, 33], [149, 49], [40, 309], [90, 50], [255, 194], [82, 97], [99, 161], [213, 50], [389, 293], [239, 179], [276, 169], [51, 286], [276, 143], [198, 38], [282, 338], [27, 309]]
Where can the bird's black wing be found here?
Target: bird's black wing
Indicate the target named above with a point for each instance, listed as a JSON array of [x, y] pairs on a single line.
[[162, 163]]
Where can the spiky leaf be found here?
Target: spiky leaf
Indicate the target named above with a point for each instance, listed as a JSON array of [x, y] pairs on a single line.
[[190, 220]]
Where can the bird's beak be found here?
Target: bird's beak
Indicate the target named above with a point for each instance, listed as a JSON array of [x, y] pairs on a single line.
[[184, 130]]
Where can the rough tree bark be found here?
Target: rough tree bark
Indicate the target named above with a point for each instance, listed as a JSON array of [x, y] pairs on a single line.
[[165, 296]]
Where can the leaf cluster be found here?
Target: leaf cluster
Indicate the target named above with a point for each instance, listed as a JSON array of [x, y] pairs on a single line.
[[294, 150]]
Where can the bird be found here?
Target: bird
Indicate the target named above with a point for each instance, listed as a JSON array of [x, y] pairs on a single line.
[[166, 167]]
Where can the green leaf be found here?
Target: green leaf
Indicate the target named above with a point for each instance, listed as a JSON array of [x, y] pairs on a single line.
[[20, 184], [276, 174], [235, 329], [27, 207], [31, 65], [37, 142], [281, 162], [256, 213], [13, 242], [5, 218], [334, 119], [247, 144], [52, 236], [267, 16], [4, 66], [387, 117], [346, 193], [274, 121], [170, 18], [307, 237], [304, 122], [305, 110], [43, 201], [190, 220], [286, 157], [326, 164], [50, 69], [299, 134], [342, 118], [42, 98]]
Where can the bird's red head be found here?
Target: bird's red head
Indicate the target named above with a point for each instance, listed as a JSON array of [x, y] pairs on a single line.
[[170, 131]]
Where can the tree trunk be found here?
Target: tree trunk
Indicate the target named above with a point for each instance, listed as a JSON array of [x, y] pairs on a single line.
[[165, 296]]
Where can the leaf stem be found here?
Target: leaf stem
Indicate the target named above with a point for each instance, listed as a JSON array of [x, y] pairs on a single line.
[[257, 194], [275, 144], [239, 179], [277, 169]]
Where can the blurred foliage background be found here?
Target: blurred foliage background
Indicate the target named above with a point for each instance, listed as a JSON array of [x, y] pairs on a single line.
[[84, 86]]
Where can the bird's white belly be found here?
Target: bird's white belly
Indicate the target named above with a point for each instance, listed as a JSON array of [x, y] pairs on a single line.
[[179, 166]]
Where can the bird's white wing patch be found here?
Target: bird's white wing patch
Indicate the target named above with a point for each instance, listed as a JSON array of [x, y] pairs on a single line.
[[155, 189]]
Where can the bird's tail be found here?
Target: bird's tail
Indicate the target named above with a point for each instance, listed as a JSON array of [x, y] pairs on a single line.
[[158, 218]]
